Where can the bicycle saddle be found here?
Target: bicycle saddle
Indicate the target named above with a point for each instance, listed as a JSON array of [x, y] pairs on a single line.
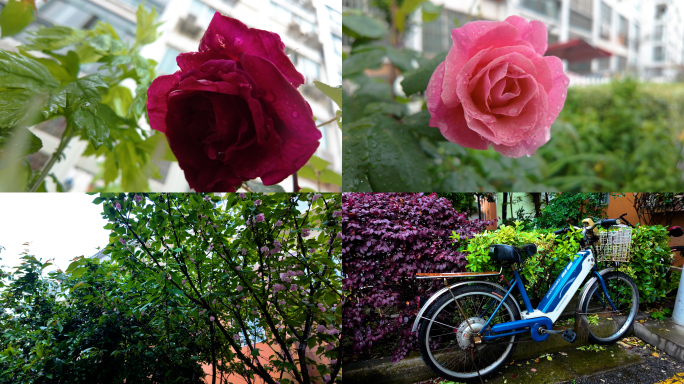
[[510, 254]]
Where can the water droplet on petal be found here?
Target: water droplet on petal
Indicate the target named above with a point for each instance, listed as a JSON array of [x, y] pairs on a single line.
[[238, 41], [295, 114]]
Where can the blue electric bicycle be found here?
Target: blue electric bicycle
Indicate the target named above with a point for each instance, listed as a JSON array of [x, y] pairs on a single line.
[[469, 329]]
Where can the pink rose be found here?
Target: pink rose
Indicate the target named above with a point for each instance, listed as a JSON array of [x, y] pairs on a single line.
[[233, 113], [496, 87]]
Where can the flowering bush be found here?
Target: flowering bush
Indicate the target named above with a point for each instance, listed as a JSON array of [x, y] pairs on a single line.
[[387, 239]]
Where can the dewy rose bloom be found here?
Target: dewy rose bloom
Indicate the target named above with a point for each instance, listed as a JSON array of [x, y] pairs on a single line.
[[233, 113], [496, 87]]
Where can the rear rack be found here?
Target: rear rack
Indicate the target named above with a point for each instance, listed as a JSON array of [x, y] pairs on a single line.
[[456, 274]]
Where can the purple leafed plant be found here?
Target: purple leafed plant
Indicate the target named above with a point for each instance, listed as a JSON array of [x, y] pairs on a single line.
[[387, 239]]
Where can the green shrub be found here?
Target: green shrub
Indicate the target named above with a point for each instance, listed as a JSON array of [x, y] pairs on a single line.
[[651, 258]]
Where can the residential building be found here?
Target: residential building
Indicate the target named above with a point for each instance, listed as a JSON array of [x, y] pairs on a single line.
[[310, 29]]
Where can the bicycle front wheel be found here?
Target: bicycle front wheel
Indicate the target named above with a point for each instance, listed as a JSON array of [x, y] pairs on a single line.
[[607, 323], [446, 338]]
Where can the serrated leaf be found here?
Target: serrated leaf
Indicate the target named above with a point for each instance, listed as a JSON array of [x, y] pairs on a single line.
[[55, 38], [146, 28], [92, 126], [13, 105], [355, 161], [18, 142], [417, 80], [84, 91], [257, 186], [15, 16], [17, 71], [335, 93], [363, 26]]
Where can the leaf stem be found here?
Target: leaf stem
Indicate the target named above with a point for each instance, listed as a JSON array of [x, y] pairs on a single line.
[[327, 122], [66, 138]]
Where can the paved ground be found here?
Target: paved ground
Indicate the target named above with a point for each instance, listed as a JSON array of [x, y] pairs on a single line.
[[628, 361]]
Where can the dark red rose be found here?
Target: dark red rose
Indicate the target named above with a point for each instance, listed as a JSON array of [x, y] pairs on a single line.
[[233, 113]]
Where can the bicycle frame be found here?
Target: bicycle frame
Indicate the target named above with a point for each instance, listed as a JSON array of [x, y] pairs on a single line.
[[552, 305]]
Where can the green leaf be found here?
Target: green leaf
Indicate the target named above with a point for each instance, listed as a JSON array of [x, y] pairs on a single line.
[[92, 126], [119, 98], [158, 147], [357, 62], [330, 177], [318, 164], [417, 80], [84, 91], [400, 57], [363, 26], [15, 16], [52, 39], [146, 29], [176, 292], [18, 142], [307, 172], [17, 71], [335, 93], [431, 11], [256, 186], [78, 272], [407, 7], [384, 154], [14, 104]]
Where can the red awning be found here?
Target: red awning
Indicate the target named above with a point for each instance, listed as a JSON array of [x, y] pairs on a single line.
[[576, 50]]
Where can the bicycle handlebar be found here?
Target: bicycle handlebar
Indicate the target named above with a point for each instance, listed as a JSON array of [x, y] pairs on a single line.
[[605, 223]]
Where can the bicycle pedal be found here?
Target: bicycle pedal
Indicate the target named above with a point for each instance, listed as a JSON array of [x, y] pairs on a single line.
[[569, 336]]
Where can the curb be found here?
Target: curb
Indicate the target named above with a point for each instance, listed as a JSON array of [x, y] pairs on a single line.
[[666, 335], [412, 369]]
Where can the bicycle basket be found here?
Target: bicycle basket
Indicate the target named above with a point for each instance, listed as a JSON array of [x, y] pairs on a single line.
[[614, 244]]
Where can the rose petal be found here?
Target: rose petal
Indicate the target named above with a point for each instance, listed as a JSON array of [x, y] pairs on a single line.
[[297, 130], [231, 37], [469, 40], [450, 121], [533, 32], [156, 100], [559, 90], [194, 60]]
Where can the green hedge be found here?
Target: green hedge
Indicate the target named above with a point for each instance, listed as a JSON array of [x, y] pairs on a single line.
[[651, 258]]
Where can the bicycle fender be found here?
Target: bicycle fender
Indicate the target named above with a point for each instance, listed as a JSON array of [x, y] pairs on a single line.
[[444, 290], [588, 284]]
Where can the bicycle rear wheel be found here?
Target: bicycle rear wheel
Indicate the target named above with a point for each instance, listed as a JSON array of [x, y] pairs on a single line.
[[607, 324], [446, 338]]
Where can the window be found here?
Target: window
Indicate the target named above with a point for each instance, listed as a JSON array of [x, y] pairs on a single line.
[[61, 13], [335, 16], [606, 21], [623, 31], [437, 34], [658, 54], [168, 63], [337, 44], [604, 63], [661, 10], [658, 33], [545, 7], [309, 68], [202, 12], [621, 63]]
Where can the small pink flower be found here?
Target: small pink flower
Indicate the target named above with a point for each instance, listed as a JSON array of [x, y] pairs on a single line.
[[260, 218], [257, 203], [239, 268], [320, 328], [326, 378], [214, 302], [192, 260], [138, 198], [278, 287], [334, 361], [244, 251], [293, 287], [329, 347], [207, 198], [337, 213], [278, 223], [211, 246], [117, 206], [316, 197], [122, 241], [305, 232], [212, 318], [255, 313], [264, 249], [242, 195], [236, 337], [184, 282], [239, 288], [339, 235]]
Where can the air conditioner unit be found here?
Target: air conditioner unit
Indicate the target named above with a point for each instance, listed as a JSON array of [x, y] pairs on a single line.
[[188, 26]]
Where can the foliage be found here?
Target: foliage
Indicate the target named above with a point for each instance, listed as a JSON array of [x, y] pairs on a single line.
[[387, 238], [650, 262], [569, 209], [607, 138], [91, 327], [462, 202], [96, 107], [247, 285], [260, 275]]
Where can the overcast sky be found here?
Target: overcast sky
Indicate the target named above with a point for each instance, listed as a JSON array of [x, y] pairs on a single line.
[[57, 225]]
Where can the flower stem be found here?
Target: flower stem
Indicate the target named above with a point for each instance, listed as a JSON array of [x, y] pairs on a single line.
[[327, 122], [295, 183], [66, 137]]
